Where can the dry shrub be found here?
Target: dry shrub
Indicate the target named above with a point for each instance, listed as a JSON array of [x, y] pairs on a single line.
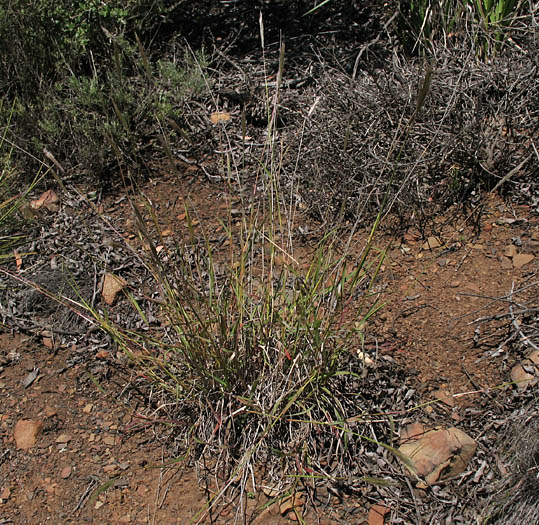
[[515, 500], [479, 121]]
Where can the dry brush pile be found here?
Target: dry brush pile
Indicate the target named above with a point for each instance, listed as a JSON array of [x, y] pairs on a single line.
[[477, 130]]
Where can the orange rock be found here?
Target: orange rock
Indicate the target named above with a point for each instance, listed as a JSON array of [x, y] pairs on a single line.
[[445, 397], [411, 432], [522, 259], [440, 454], [431, 243], [377, 514], [26, 432]]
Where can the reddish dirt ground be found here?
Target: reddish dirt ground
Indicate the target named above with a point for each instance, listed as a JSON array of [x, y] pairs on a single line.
[[95, 461]]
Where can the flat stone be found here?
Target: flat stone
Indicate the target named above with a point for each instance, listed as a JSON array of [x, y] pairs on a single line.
[[292, 504], [431, 243], [50, 411], [445, 397], [440, 454], [109, 440], [377, 514], [220, 116], [473, 287], [522, 259], [26, 433], [506, 263], [411, 432], [48, 200]]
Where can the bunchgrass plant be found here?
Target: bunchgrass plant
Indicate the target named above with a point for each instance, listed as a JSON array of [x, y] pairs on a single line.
[[255, 345], [254, 353]]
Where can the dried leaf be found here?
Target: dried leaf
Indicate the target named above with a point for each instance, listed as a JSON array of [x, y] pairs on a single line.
[[48, 200], [18, 259], [112, 285], [220, 116], [30, 378]]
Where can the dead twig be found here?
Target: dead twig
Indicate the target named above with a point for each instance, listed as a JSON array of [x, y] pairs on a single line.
[[514, 171], [94, 480]]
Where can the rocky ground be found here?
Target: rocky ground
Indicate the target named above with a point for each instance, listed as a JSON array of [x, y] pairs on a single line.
[[80, 445]]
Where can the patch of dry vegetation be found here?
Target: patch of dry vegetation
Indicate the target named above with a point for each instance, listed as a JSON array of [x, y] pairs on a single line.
[[258, 364], [478, 122]]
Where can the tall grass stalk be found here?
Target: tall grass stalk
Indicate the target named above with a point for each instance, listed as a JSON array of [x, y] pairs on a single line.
[[13, 195]]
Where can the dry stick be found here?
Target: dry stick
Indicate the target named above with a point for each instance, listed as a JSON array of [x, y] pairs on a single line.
[[50, 156], [514, 171], [246, 457], [417, 511], [233, 64], [496, 317], [36, 324], [504, 298], [498, 351], [62, 300], [463, 258], [93, 481], [420, 99]]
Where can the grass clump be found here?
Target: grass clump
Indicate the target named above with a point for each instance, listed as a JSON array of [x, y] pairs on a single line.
[[255, 352], [254, 347]]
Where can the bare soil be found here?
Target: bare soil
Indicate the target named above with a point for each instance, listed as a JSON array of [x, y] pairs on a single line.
[[100, 458]]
